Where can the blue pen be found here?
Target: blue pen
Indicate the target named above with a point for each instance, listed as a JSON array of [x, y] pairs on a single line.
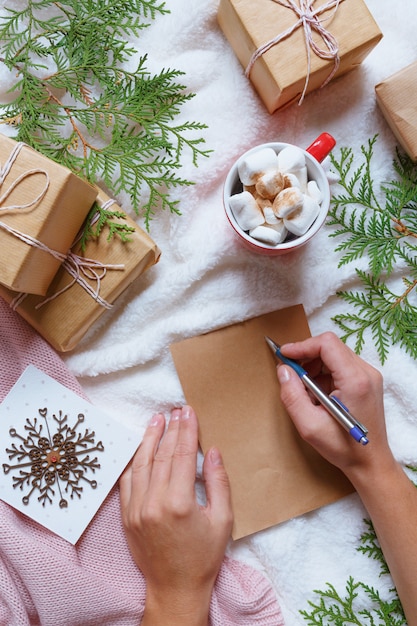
[[332, 404]]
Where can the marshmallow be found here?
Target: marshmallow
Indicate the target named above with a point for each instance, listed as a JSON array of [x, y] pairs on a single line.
[[256, 164], [290, 180], [302, 177], [270, 184], [263, 203], [287, 202], [314, 191], [280, 228], [269, 215], [268, 234], [291, 159], [247, 213], [299, 222]]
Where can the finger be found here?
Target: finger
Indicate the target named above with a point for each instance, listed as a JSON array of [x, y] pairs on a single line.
[[135, 480], [217, 485], [185, 455], [337, 358], [308, 417], [162, 465]]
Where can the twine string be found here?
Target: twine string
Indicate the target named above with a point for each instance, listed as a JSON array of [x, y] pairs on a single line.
[[308, 19], [80, 268], [5, 171], [83, 269], [12, 208]]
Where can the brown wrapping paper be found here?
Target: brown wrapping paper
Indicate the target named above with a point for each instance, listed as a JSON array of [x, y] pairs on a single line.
[[397, 97], [53, 220], [65, 319], [229, 377], [279, 76]]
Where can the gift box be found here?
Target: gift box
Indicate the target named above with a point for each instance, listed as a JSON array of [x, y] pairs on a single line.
[[396, 97], [283, 74], [86, 285], [42, 206]]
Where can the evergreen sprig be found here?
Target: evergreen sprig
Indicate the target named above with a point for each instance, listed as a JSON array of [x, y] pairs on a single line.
[[382, 225], [335, 609], [332, 608], [75, 102]]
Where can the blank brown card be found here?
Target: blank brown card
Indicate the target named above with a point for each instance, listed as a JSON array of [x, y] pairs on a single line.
[[229, 377]]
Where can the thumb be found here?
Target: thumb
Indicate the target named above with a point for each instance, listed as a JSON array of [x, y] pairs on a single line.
[[217, 486], [293, 393], [307, 417]]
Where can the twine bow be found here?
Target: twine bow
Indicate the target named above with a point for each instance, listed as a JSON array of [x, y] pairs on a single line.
[[308, 18], [83, 269], [80, 268]]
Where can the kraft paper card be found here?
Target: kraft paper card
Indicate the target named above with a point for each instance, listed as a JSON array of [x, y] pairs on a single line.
[[229, 377]]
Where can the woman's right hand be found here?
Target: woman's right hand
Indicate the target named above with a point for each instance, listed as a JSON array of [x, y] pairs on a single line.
[[386, 491], [358, 385]]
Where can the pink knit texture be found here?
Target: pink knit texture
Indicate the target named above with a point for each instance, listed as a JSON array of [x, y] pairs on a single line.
[[46, 581]]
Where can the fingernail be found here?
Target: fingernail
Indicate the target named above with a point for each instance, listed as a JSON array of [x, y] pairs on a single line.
[[283, 374], [185, 412], [216, 457], [175, 415], [155, 420]]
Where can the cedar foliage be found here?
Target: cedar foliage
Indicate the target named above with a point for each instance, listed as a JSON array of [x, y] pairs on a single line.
[[74, 101], [380, 224]]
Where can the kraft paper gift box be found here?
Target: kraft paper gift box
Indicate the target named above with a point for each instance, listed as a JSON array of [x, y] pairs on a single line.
[[70, 307], [397, 97], [282, 75], [39, 200]]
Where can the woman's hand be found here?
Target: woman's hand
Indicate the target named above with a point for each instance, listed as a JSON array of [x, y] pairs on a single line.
[[387, 493], [337, 369], [178, 544]]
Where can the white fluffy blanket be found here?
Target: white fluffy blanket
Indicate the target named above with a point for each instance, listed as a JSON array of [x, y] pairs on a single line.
[[205, 279]]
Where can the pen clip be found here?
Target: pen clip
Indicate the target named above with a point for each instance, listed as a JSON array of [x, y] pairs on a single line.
[[344, 407]]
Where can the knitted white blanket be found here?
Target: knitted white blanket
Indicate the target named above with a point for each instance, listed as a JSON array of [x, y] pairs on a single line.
[[205, 279]]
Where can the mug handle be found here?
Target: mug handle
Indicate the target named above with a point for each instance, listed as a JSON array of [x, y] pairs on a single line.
[[321, 146]]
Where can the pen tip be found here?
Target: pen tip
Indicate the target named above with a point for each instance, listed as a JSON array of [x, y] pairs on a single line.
[[274, 347]]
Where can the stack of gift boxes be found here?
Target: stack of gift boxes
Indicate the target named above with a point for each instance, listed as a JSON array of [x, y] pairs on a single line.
[[57, 285], [289, 48]]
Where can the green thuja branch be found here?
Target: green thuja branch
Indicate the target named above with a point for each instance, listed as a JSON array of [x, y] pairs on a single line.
[[335, 609], [100, 217], [381, 224], [361, 604], [75, 101]]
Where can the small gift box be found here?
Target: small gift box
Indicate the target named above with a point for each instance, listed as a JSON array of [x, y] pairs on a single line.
[[86, 284], [396, 97], [42, 206], [284, 60]]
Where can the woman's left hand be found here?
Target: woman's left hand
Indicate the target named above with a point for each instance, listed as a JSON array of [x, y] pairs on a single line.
[[177, 543]]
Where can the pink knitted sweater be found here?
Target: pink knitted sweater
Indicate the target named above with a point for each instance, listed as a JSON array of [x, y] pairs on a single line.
[[46, 581]]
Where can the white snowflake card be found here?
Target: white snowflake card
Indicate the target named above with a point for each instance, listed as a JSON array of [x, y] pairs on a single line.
[[59, 455]]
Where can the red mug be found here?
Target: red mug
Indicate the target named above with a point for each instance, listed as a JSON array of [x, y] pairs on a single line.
[[314, 155]]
